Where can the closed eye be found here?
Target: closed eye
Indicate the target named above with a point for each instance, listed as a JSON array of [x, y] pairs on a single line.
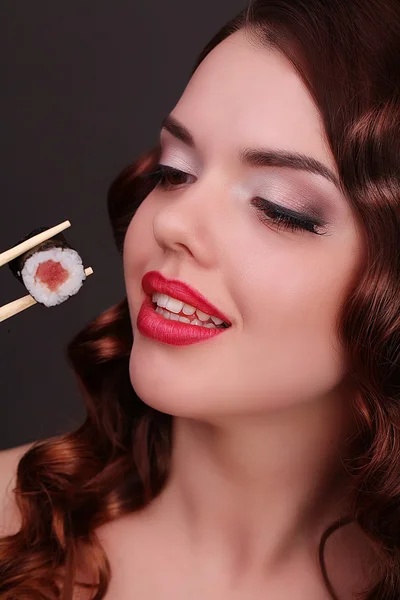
[[286, 218]]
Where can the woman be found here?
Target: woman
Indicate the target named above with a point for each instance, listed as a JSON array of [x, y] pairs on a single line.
[[253, 454]]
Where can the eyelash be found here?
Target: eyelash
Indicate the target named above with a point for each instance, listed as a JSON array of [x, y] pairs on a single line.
[[284, 218]]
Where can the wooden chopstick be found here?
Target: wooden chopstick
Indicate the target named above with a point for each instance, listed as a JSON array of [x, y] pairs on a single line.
[[12, 308], [12, 253]]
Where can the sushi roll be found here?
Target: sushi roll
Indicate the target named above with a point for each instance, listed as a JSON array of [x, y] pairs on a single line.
[[52, 271]]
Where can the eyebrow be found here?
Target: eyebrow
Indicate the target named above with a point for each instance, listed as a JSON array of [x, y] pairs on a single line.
[[259, 157]]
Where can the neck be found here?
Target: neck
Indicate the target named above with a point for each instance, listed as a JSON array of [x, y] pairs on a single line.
[[256, 490]]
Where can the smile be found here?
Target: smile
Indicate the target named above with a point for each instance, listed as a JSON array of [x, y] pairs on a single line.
[[173, 309], [166, 327]]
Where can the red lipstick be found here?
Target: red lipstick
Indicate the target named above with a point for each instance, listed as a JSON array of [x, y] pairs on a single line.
[[154, 325]]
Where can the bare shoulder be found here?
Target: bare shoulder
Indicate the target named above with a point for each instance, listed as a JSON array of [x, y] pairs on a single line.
[[9, 514]]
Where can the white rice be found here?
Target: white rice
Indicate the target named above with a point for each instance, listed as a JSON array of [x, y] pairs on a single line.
[[69, 259]]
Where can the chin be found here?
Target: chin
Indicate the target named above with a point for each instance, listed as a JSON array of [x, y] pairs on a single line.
[[160, 394]]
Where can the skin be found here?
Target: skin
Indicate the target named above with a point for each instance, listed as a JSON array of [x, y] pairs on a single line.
[[262, 411]]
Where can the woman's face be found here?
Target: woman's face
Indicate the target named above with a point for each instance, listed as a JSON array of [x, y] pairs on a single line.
[[281, 288]]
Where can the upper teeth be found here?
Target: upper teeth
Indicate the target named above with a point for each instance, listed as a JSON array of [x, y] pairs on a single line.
[[176, 306]]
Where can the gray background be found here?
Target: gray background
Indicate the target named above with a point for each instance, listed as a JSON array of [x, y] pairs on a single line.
[[84, 86]]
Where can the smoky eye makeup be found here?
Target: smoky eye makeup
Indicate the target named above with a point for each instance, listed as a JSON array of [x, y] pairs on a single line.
[[169, 179], [174, 159], [281, 189], [171, 149], [295, 195]]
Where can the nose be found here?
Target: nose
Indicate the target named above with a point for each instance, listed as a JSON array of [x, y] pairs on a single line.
[[190, 220]]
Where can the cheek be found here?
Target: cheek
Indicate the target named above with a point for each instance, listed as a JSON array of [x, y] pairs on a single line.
[[289, 311]]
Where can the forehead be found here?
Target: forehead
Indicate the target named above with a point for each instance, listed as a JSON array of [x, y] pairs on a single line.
[[244, 96]]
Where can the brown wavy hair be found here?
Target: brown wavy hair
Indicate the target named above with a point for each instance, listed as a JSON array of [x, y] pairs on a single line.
[[347, 54]]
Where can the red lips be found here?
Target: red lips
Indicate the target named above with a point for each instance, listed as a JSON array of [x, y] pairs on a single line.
[[154, 281]]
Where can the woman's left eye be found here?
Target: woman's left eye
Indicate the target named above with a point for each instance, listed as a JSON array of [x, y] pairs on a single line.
[[285, 218], [169, 178]]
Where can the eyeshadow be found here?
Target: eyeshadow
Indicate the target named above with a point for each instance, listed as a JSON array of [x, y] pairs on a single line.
[[296, 189]]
